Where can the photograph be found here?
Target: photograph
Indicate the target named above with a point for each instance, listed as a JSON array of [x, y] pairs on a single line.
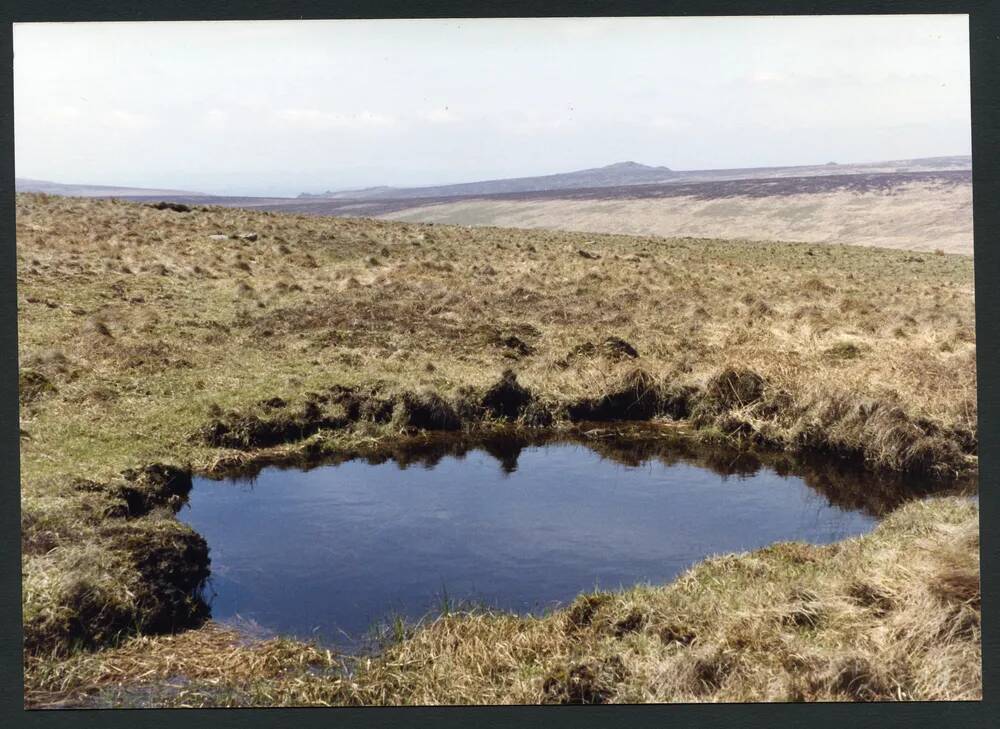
[[496, 361]]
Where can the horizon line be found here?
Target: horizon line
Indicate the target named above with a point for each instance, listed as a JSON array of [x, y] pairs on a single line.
[[170, 188]]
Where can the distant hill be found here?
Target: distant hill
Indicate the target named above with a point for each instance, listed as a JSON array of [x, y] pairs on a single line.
[[618, 175], [24, 184], [915, 204], [621, 173], [360, 193], [626, 174], [918, 211]]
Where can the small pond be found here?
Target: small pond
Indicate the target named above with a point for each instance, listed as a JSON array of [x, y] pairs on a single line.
[[329, 552]]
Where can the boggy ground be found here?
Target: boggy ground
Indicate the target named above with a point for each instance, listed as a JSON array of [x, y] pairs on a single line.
[[143, 340]]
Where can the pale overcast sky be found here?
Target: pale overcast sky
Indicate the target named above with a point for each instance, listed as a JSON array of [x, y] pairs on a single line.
[[281, 107]]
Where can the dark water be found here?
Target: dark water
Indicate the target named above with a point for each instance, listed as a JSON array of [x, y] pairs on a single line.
[[328, 552]]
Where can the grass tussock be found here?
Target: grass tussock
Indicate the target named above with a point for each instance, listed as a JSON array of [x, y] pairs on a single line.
[[116, 563], [791, 622], [212, 338]]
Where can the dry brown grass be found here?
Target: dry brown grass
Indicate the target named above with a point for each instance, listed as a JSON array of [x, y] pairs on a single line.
[[135, 314], [210, 656], [138, 331]]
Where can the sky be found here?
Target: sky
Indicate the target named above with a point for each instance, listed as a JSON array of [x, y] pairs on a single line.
[[283, 107]]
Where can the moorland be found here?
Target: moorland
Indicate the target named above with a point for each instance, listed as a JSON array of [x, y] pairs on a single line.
[[159, 341]]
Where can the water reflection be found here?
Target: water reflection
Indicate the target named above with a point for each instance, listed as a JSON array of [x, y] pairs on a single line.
[[843, 483], [519, 524]]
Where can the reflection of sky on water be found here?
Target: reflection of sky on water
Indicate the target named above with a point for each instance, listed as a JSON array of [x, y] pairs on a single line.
[[330, 551]]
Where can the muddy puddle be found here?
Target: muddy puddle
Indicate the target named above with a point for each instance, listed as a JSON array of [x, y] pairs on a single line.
[[331, 551]]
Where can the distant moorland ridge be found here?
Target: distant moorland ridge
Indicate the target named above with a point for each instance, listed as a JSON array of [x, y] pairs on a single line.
[[614, 175]]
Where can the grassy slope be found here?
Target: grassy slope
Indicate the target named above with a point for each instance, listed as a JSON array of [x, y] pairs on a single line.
[[136, 330], [915, 216]]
